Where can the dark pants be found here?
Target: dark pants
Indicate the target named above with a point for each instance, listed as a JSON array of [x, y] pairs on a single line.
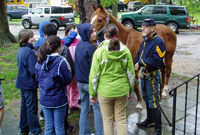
[[28, 113]]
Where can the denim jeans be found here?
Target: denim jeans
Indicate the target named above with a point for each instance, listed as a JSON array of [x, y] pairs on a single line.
[[54, 118], [84, 122], [28, 113]]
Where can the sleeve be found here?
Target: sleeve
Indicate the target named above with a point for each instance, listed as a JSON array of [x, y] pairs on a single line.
[[156, 58], [70, 38], [95, 73], [36, 72], [89, 55], [30, 62], [130, 71], [71, 62], [64, 73], [139, 53], [67, 55]]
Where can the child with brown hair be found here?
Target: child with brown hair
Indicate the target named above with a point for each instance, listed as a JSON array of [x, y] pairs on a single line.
[[26, 82], [53, 74]]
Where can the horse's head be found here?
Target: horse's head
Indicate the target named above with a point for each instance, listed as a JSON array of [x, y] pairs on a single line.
[[99, 18]]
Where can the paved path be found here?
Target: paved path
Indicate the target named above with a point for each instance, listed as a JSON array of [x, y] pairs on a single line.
[[10, 122], [167, 107]]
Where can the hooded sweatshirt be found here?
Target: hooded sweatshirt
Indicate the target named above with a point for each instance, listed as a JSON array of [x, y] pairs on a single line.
[[42, 39], [112, 73], [83, 54], [53, 74], [67, 40]]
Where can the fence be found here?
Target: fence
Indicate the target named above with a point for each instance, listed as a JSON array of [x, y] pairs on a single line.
[[173, 93]]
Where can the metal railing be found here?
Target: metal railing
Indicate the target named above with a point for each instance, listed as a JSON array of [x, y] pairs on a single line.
[[173, 93]]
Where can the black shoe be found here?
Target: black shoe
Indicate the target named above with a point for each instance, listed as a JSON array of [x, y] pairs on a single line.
[[158, 132], [146, 123], [23, 133], [69, 130]]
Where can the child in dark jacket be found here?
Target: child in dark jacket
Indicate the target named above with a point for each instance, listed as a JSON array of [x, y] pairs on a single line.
[[26, 82], [53, 75]]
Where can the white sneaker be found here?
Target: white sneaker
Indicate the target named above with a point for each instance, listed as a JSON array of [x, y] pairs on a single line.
[[41, 118]]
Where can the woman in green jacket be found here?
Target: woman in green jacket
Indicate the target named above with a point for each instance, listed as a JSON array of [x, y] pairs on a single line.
[[111, 80]]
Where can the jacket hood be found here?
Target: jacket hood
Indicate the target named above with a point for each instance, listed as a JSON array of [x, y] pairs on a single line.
[[50, 61], [113, 55], [84, 31], [40, 27]]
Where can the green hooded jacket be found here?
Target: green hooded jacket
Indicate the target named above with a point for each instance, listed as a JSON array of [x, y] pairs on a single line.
[[112, 72]]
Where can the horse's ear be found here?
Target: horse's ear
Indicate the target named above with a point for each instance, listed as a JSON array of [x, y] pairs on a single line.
[[94, 7], [101, 7]]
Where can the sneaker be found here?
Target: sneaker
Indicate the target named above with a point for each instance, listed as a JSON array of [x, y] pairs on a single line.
[[23, 133], [69, 130], [41, 118]]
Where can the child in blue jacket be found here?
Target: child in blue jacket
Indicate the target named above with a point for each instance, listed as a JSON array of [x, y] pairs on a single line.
[[26, 82], [53, 75]]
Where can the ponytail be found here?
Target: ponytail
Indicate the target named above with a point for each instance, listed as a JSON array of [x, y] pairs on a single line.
[[112, 32], [114, 44], [49, 47]]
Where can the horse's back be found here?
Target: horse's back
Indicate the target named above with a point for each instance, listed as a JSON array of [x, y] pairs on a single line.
[[168, 36]]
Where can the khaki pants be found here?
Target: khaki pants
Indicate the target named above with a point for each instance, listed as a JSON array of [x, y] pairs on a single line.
[[114, 108]]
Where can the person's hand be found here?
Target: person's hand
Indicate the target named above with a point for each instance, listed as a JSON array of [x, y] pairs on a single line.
[[93, 100], [129, 97], [137, 66], [36, 54], [76, 30]]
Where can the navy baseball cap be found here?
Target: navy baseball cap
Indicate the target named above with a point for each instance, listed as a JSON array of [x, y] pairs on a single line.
[[149, 22]]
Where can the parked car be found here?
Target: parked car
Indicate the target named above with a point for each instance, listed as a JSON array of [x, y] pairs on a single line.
[[58, 15], [16, 11], [175, 17], [135, 5], [121, 6]]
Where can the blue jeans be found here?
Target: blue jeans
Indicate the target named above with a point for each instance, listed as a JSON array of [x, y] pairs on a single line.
[[148, 95], [54, 118], [28, 113], [84, 122]]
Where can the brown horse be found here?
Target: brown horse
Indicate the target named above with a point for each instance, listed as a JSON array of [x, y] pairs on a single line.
[[133, 39]]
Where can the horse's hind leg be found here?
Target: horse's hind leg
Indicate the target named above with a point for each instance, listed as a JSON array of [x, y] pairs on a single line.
[[168, 73], [163, 80], [139, 98]]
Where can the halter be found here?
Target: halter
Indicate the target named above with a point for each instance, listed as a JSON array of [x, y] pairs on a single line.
[[107, 21]]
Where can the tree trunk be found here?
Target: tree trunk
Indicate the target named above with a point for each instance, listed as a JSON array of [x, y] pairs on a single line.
[[5, 36], [114, 9], [82, 13], [89, 9]]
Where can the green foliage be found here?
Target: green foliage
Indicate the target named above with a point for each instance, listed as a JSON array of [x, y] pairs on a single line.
[[107, 2], [8, 62]]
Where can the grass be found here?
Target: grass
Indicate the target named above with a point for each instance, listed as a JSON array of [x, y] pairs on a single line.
[[8, 62]]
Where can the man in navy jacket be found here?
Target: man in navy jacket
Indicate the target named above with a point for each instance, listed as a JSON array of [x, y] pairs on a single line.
[[150, 56]]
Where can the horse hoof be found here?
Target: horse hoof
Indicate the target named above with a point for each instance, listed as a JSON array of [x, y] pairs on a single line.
[[164, 96], [138, 106], [138, 109]]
